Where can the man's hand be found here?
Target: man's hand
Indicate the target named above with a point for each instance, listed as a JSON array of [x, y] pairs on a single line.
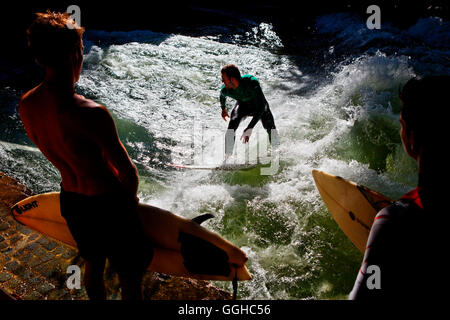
[[225, 114], [246, 135]]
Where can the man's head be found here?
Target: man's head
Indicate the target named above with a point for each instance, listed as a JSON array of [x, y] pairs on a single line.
[[424, 111], [231, 76], [424, 133], [55, 41]]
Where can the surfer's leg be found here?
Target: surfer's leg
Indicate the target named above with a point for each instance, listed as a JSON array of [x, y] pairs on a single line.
[[235, 119], [85, 225], [132, 252], [239, 113], [131, 261], [268, 123], [131, 285], [93, 279]]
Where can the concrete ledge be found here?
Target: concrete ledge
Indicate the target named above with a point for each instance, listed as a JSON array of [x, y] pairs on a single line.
[[33, 266]]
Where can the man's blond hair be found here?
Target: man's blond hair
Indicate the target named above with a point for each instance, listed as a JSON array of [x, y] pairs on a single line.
[[53, 36]]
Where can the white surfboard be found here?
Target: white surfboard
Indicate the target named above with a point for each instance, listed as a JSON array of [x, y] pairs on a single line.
[[226, 167]]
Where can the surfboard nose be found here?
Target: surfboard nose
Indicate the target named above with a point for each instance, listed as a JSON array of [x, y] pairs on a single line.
[[238, 257], [243, 274]]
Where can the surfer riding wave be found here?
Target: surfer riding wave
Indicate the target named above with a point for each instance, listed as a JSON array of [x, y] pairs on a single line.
[[251, 101]]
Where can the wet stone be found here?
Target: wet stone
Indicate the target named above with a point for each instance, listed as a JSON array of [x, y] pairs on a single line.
[[24, 229], [27, 231], [25, 258], [14, 284], [18, 269], [15, 239], [50, 270], [39, 252], [42, 269], [62, 265], [35, 261], [46, 256], [42, 240], [4, 226], [5, 277], [12, 231], [27, 275], [4, 258], [12, 266], [33, 280], [78, 294], [21, 288], [69, 254], [56, 294], [2, 239], [3, 245], [34, 236], [33, 296], [32, 246], [68, 296], [18, 253], [6, 251], [44, 288], [21, 244], [50, 245], [59, 250]]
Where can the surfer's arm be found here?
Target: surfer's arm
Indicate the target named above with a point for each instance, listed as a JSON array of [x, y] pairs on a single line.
[[114, 151], [223, 98]]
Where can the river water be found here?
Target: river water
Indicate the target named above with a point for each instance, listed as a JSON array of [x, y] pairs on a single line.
[[340, 117]]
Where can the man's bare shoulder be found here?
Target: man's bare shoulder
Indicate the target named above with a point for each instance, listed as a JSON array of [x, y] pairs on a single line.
[[28, 98], [83, 102], [92, 112], [90, 107]]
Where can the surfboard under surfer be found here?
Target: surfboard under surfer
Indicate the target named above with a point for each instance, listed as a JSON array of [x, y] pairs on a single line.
[[251, 101], [78, 136]]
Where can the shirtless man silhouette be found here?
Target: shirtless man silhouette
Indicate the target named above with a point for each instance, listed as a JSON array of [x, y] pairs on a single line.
[[78, 136]]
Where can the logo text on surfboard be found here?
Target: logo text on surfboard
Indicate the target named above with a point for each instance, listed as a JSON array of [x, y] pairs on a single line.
[[354, 218], [25, 207]]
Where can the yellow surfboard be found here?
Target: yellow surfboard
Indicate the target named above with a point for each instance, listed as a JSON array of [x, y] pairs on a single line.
[[353, 206], [42, 213]]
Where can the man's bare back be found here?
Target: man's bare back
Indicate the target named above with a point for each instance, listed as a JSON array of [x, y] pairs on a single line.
[[79, 138]]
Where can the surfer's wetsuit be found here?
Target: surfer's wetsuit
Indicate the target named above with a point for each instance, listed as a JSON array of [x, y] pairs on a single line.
[[107, 226], [250, 102], [400, 245]]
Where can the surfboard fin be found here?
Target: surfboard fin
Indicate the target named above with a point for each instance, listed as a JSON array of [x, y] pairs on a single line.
[[202, 218]]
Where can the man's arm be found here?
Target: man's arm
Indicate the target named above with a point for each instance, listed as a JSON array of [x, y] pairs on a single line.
[[223, 100], [379, 253], [113, 150]]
